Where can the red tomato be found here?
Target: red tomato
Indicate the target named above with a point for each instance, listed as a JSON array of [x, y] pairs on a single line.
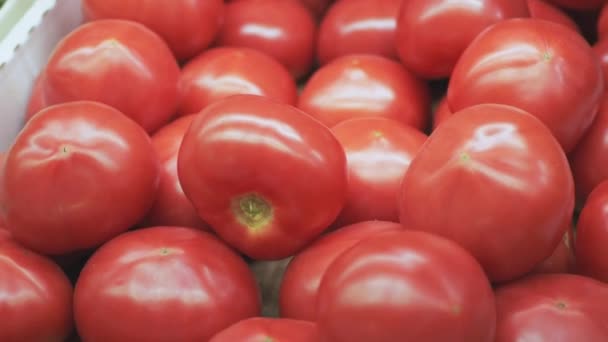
[[358, 26], [592, 235], [317, 7], [432, 34], [172, 207], [601, 51], [562, 259], [36, 297], [222, 72], [541, 67], [284, 29], [580, 4], [264, 175], [474, 175], [442, 112], [163, 284], [541, 9], [37, 101], [300, 283], [363, 86], [554, 307], [77, 175], [602, 23], [378, 153], [270, 330], [120, 63], [405, 286], [188, 26]]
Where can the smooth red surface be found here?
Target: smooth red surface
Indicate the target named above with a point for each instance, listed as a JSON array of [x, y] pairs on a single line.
[[562, 260], [413, 286], [541, 67], [300, 283], [541, 9], [495, 180], [442, 112], [222, 72], [580, 4], [77, 175], [600, 49], [269, 329], [120, 63], [163, 284], [592, 235], [317, 7], [602, 23], [557, 307], [35, 297], [37, 101], [358, 26], [284, 29], [188, 26], [249, 147], [2, 224], [363, 86]]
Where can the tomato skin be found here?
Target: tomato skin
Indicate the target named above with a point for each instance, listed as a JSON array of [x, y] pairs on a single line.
[[284, 29], [300, 283], [362, 86], [222, 72], [553, 307], [317, 7], [358, 26], [592, 235], [562, 260], [600, 49], [580, 4], [472, 177], [602, 23], [187, 26], [37, 101], [119, 63], [541, 67], [269, 329], [64, 180], [442, 112], [405, 286], [541, 9], [36, 297], [283, 185]]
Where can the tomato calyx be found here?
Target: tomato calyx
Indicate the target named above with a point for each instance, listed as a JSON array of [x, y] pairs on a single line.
[[561, 305], [252, 210]]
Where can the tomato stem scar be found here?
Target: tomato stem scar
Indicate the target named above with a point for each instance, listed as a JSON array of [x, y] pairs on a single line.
[[252, 210]]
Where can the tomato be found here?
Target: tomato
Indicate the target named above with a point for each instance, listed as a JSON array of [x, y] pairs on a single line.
[[405, 286], [77, 175], [269, 329], [378, 153], [120, 63], [442, 112], [2, 158], [562, 259], [317, 7], [474, 175], [580, 4], [284, 29], [37, 101], [35, 297], [592, 235], [264, 175], [188, 26], [556, 307], [602, 23], [365, 85], [358, 26], [601, 51], [163, 284], [222, 72], [541, 9], [541, 67]]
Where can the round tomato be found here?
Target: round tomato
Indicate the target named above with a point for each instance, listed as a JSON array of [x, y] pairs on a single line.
[[37, 101], [541, 9], [163, 284], [284, 29], [270, 330], [405, 286], [541, 67], [223, 72], [592, 235], [266, 177], [580, 4], [602, 23], [474, 175], [601, 51], [188, 26], [562, 259], [553, 307], [78, 174], [358, 26], [365, 85], [378, 153], [442, 112], [120, 63], [300, 284], [36, 298]]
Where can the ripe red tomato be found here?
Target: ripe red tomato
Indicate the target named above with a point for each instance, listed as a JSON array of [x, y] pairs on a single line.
[[378, 154], [541, 67], [163, 284], [37, 101], [317, 7], [553, 307], [405, 286], [120, 63], [36, 297], [284, 29], [592, 235], [188, 26], [266, 177], [223, 72], [474, 175], [602, 23], [580, 4], [365, 85], [358, 26], [269, 329], [300, 283], [562, 259], [77, 175], [541, 9], [601, 51], [442, 112]]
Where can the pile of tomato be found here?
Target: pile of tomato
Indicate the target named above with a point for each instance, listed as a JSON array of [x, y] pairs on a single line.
[[404, 170]]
